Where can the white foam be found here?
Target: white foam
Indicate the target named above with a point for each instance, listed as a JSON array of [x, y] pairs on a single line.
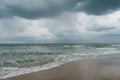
[[6, 72], [80, 54]]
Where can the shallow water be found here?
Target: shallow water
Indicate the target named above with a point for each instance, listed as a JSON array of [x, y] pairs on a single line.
[[16, 59]]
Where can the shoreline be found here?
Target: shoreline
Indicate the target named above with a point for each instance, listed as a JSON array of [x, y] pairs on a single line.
[[83, 69]]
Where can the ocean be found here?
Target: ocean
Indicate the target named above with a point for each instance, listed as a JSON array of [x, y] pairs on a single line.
[[17, 59]]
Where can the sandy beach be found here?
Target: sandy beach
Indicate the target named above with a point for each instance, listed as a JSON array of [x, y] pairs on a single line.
[[86, 69]]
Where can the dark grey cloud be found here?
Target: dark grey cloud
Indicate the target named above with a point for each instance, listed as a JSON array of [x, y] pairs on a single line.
[[103, 28], [33, 9], [36, 8], [98, 7]]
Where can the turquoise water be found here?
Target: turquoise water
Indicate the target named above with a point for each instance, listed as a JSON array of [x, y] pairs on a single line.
[[25, 58]]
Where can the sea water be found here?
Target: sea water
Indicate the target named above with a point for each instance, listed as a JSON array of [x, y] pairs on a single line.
[[17, 59]]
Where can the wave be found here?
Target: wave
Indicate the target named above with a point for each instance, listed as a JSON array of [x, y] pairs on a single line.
[[22, 59], [6, 72]]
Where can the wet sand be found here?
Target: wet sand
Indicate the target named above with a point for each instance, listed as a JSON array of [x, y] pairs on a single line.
[[85, 69]]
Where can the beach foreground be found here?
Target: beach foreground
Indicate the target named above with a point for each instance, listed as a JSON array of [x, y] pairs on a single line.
[[85, 69]]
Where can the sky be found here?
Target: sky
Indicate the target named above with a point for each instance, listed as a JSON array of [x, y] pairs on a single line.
[[59, 21]]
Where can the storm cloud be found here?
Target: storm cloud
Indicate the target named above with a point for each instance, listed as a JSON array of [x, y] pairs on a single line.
[[99, 7], [59, 21], [34, 9]]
